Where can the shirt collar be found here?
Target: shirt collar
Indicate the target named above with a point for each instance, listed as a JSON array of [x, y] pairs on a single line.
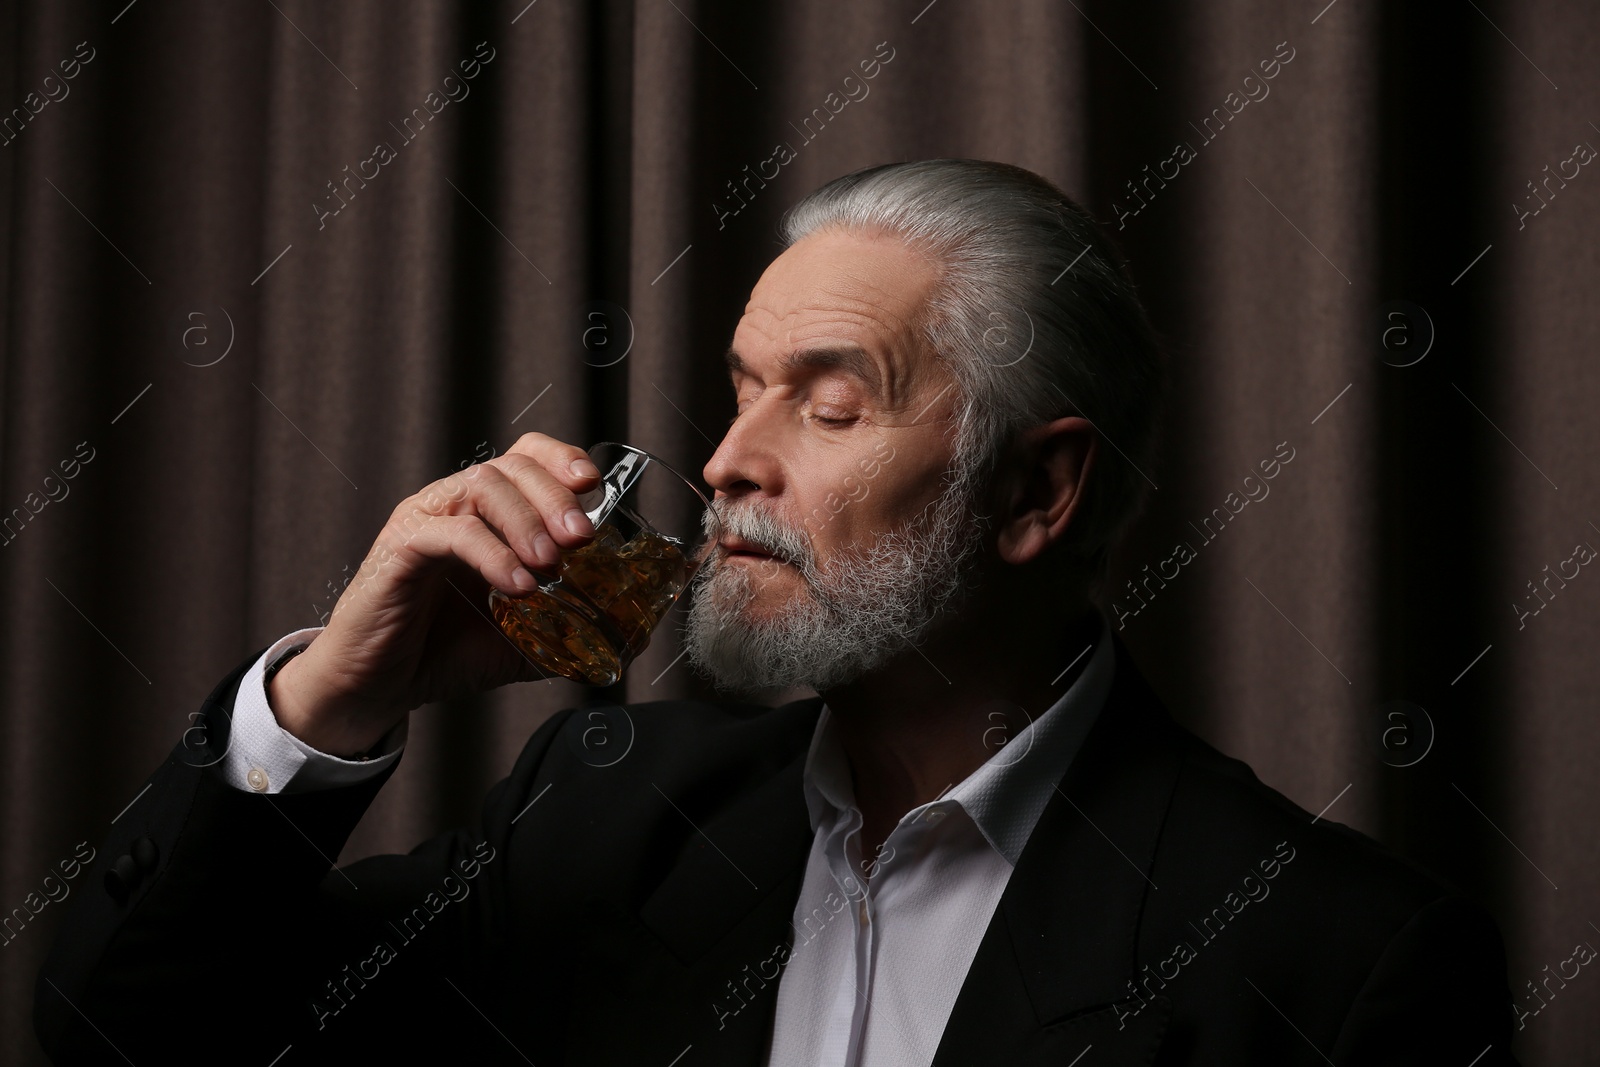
[[1005, 795]]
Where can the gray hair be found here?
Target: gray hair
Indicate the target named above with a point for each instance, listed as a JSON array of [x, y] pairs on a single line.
[[1032, 312]]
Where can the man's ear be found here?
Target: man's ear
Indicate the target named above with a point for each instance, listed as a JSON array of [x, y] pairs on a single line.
[[1051, 467]]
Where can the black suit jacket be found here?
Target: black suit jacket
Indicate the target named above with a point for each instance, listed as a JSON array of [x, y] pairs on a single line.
[[1168, 909]]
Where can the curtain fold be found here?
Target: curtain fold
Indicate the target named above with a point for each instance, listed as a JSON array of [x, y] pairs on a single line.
[[269, 269]]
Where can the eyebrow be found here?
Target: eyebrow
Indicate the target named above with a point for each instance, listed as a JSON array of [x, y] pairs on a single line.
[[851, 358]]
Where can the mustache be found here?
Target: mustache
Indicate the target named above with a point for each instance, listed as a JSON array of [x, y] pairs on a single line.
[[764, 529]]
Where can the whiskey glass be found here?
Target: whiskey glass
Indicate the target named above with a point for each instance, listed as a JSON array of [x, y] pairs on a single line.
[[592, 618]]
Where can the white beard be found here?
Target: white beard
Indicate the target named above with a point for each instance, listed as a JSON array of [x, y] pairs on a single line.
[[855, 613]]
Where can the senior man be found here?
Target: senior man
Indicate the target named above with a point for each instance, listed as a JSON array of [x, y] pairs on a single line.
[[985, 842]]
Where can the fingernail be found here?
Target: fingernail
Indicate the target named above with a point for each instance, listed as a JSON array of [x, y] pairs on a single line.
[[546, 549], [584, 469], [577, 523], [524, 581]]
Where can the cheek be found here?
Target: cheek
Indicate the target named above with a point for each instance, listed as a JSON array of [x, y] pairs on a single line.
[[899, 489], [843, 500], [822, 494]]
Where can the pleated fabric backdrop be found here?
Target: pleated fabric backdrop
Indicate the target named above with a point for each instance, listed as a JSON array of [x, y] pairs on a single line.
[[245, 358]]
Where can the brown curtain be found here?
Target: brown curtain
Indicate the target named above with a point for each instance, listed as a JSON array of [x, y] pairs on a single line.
[[214, 388]]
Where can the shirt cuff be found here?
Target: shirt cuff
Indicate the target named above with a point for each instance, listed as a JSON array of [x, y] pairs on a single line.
[[263, 757]]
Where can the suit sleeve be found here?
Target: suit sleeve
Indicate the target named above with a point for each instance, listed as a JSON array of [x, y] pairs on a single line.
[[215, 928], [1438, 994]]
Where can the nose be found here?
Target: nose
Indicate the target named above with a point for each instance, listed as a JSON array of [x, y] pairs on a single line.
[[748, 458]]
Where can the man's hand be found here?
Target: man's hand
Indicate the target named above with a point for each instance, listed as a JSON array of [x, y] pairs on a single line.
[[409, 629]]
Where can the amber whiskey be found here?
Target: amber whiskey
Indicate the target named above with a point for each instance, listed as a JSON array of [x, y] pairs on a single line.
[[597, 614]]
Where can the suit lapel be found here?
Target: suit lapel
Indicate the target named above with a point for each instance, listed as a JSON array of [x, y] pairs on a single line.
[[1056, 960], [694, 972]]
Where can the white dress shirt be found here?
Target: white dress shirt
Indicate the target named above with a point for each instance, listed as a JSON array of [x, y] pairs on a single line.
[[882, 944], [878, 961]]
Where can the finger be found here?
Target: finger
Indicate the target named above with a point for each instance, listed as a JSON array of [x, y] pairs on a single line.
[[568, 464], [527, 525], [500, 503], [466, 538], [556, 504]]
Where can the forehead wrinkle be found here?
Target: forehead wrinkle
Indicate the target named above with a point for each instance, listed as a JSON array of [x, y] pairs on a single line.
[[883, 319], [891, 324]]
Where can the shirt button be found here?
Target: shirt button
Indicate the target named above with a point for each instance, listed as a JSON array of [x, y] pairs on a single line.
[[935, 814], [257, 779]]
